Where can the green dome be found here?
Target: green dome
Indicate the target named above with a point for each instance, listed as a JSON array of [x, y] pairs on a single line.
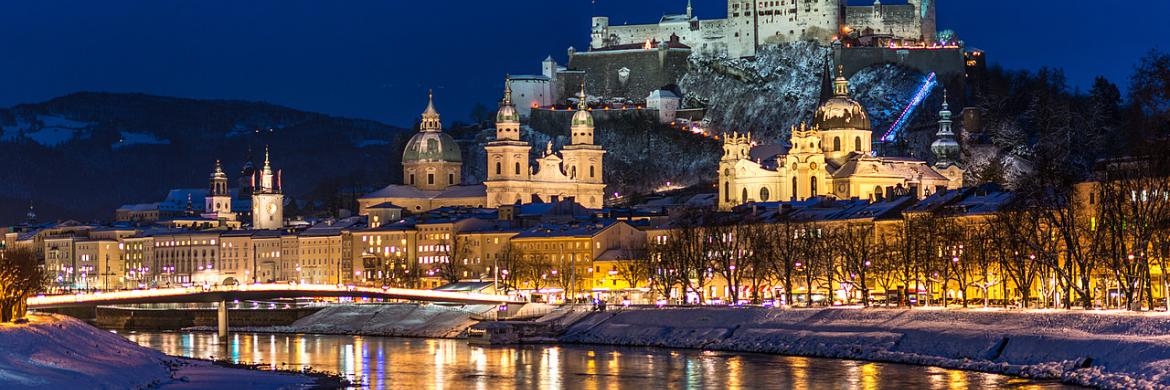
[[432, 146], [582, 118], [507, 113]]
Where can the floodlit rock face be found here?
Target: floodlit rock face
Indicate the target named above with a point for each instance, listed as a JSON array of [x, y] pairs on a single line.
[[781, 87]]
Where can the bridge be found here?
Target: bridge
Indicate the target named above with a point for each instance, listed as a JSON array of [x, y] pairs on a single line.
[[223, 294]]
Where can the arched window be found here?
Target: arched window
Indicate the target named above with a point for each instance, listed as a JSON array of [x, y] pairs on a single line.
[[877, 192], [764, 195], [412, 179], [450, 178], [517, 167], [498, 166], [794, 188], [590, 171], [727, 191], [857, 144], [836, 144], [812, 186], [430, 178], [573, 172], [745, 198]]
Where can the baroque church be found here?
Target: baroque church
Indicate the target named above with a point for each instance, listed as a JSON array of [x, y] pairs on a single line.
[[833, 156], [432, 166]]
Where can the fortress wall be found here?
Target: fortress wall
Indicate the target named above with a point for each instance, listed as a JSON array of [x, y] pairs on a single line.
[[649, 70]]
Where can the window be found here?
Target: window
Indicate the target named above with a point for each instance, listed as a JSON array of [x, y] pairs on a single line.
[[794, 188], [412, 179], [517, 168], [857, 144], [727, 191], [498, 170], [745, 198], [812, 186], [430, 178], [450, 178], [836, 144], [764, 195], [590, 171]]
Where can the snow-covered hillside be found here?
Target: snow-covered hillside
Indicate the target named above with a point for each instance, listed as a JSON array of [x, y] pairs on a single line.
[[766, 96], [1108, 350], [58, 352]]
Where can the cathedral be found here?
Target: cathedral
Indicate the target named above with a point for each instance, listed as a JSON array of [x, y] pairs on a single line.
[[832, 156], [573, 173], [267, 199], [432, 166]]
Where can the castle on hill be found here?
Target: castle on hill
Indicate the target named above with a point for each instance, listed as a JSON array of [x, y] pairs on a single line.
[[750, 24]]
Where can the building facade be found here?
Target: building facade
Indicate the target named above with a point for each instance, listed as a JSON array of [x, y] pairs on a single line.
[[575, 172], [750, 24]]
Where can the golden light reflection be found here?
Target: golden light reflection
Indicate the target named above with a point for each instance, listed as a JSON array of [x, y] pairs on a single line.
[[870, 378]]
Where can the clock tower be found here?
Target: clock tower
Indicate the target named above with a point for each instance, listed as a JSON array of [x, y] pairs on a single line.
[[267, 200]]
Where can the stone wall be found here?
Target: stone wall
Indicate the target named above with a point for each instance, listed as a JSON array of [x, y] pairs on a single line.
[[947, 63], [649, 70]]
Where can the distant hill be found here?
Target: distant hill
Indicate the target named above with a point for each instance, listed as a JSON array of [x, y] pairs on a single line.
[[80, 156]]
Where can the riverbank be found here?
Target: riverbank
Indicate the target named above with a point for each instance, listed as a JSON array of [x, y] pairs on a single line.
[[57, 352], [393, 320], [1114, 350]]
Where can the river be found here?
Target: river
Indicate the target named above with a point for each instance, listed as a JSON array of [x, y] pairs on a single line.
[[417, 364]]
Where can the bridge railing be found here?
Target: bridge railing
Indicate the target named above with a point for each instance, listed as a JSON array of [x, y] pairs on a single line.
[[294, 289]]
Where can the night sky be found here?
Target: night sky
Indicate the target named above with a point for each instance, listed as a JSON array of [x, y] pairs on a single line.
[[376, 59]]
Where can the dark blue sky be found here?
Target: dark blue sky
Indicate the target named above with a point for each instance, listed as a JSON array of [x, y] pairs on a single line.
[[376, 59]]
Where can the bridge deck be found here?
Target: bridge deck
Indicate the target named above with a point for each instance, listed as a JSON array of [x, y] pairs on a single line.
[[256, 292]]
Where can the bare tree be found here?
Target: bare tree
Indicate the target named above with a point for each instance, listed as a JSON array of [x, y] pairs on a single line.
[[635, 265], [857, 248], [21, 275], [454, 253]]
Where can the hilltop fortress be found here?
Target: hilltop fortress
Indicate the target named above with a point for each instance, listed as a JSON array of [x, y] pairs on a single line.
[[750, 24]]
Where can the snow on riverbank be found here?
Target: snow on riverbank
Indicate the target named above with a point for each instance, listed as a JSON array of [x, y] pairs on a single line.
[[58, 352], [1126, 350], [405, 319]]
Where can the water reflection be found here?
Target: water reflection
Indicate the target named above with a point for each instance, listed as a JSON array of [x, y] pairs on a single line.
[[400, 363]]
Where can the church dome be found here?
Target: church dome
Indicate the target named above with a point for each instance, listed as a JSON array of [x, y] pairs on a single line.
[[507, 113], [841, 112], [432, 146], [582, 118]]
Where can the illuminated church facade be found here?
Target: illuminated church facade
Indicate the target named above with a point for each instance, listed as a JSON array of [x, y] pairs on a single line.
[[833, 157]]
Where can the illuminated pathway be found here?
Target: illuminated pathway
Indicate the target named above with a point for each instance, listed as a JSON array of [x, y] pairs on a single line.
[[255, 292]]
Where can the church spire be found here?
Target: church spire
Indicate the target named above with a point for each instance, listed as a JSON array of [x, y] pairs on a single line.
[[507, 90], [690, 10], [581, 103]]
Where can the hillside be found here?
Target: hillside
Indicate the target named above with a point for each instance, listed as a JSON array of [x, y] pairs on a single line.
[[82, 155]]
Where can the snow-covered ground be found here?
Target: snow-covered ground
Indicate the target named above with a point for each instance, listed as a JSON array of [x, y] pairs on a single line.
[[406, 320], [1120, 350], [58, 352]]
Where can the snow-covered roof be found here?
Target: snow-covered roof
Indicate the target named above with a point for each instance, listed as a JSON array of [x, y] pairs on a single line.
[[404, 191], [581, 230]]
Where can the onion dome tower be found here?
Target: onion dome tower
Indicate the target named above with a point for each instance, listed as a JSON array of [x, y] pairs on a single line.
[[945, 148]]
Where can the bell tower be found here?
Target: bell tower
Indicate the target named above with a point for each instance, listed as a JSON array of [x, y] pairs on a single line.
[[583, 158], [267, 200], [218, 203], [508, 164]]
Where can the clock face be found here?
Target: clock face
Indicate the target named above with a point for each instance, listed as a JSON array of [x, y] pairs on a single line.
[[271, 208]]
